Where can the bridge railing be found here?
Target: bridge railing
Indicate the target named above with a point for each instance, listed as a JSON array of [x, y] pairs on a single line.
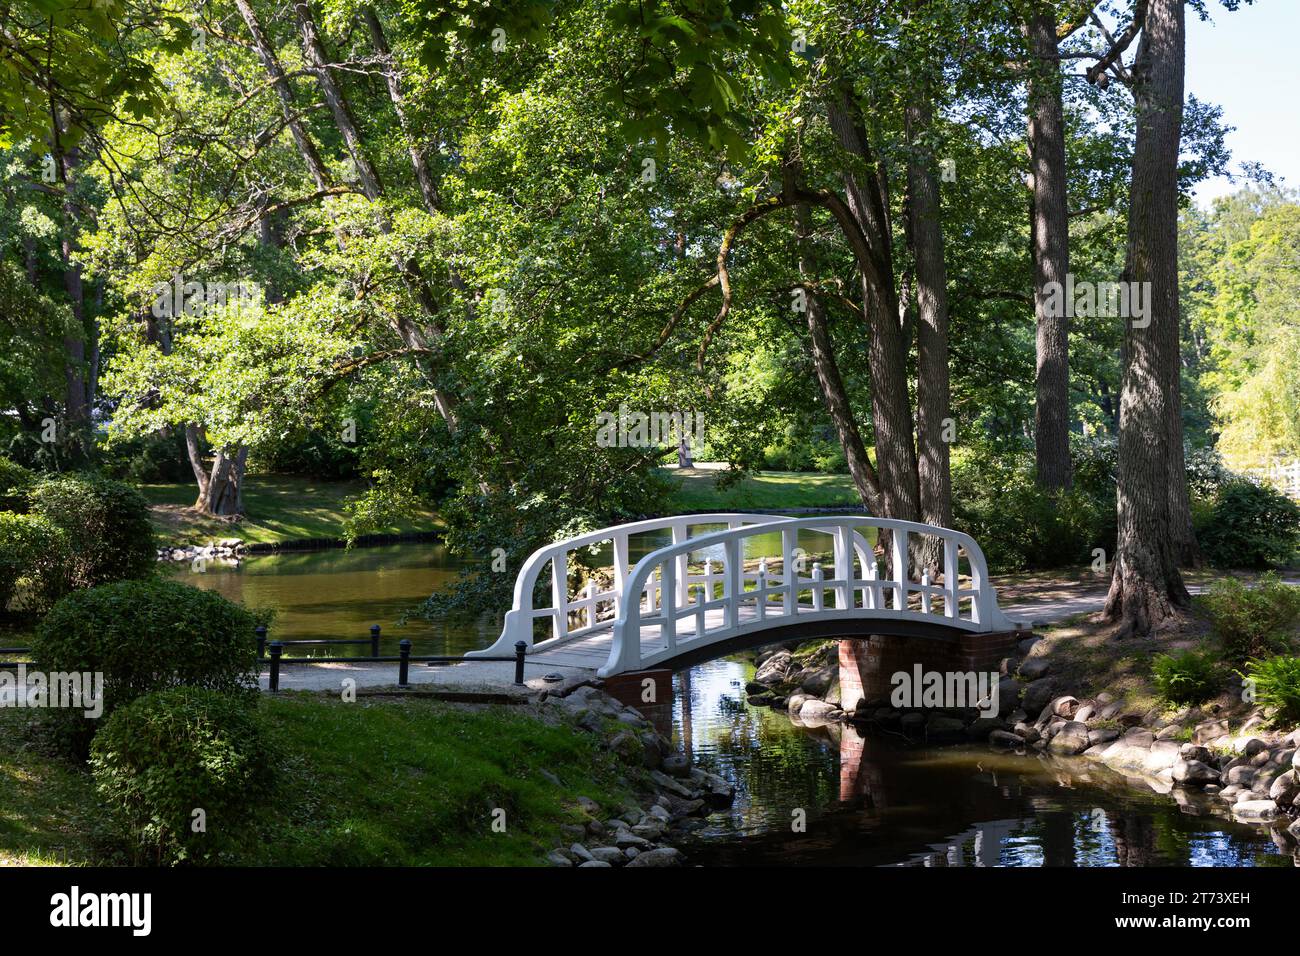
[[553, 559], [684, 609]]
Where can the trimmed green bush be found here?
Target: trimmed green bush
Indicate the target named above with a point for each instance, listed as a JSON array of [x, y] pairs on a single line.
[[1253, 622], [34, 562], [1277, 686], [146, 636], [1249, 526], [178, 761], [1187, 677], [107, 526]]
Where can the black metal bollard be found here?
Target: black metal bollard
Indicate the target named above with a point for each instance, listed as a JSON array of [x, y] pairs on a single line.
[[260, 631], [404, 663], [276, 650], [374, 640], [521, 648]]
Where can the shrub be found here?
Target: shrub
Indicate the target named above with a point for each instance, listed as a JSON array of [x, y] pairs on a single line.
[[1249, 526], [1253, 622], [996, 500], [14, 482], [34, 562], [1277, 686], [1187, 677], [170, 753], [145, 636], [107, 524]]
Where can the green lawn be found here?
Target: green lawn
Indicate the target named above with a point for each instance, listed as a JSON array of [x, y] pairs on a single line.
[[48, 807], [378, 782], [277, 508], [774, 490], [282, 508]]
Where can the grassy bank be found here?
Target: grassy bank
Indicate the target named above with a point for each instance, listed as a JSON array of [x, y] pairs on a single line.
[[284, 508], [770, 490], [404, 782], [278, 508]]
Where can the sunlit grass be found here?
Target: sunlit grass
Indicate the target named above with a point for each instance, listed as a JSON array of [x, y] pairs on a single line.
[[775, 490], [276, 508]]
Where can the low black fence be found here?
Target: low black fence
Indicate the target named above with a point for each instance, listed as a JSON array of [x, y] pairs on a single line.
[[273, 653]]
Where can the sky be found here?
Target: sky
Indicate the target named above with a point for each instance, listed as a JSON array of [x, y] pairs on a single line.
[[1247, 63]]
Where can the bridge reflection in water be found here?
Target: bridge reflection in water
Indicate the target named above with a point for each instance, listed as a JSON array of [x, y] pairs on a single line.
[[875, 801]]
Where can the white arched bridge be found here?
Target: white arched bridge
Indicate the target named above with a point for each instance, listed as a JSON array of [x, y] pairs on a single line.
[[725, 582]]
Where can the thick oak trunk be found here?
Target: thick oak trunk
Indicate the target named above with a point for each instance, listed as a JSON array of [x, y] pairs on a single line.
[[1146, 586]]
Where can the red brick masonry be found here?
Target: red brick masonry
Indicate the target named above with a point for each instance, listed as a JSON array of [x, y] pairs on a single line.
[[866, 664]]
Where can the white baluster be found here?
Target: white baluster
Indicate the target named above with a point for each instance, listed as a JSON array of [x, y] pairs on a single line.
[[733, 585], [591, 602], [700, 620], [762, 588], [817, 577], [925, 595]]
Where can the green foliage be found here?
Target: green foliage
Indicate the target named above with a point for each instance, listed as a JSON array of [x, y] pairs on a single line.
[[34, 562], [1249, 526], [1187, 677], [151, 457], [109, 536], [1277, 686], [170, 753], [14, 482], [996, 500], [145, 636], [1252, 622]]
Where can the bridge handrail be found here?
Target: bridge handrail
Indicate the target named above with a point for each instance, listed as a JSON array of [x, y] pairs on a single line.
[[519, 619], [985, 612]]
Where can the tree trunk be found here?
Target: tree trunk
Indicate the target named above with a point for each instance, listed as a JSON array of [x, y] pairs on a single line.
[[76, 400], [933, 411], [891, 406], [829, 381], [1146, 586], [1187, 552], [223, 496], [1050, 228]]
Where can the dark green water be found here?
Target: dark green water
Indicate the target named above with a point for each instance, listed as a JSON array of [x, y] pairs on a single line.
[[861, 802]]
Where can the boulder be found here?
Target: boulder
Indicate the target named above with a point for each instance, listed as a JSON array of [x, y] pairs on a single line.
[[1037, 694], [1195, 752], [1008, 695], [594, 863], [1003, 738], [1285, 789], [814, 709], [663, 856], [1032, 668], [607, 854], [774, 669], [1261, 810], [677, 766], [817, 682], [1027, 645], [1097, 737], [1065, 707], [556, 858], [1194, 773], [1241, 775], [1071, 739], [1162, 756]]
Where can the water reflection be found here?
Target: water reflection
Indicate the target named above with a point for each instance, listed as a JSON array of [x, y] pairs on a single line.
[[874, 801], [337, 593]]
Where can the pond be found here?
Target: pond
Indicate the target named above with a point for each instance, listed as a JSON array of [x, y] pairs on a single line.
[[820, 795]]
